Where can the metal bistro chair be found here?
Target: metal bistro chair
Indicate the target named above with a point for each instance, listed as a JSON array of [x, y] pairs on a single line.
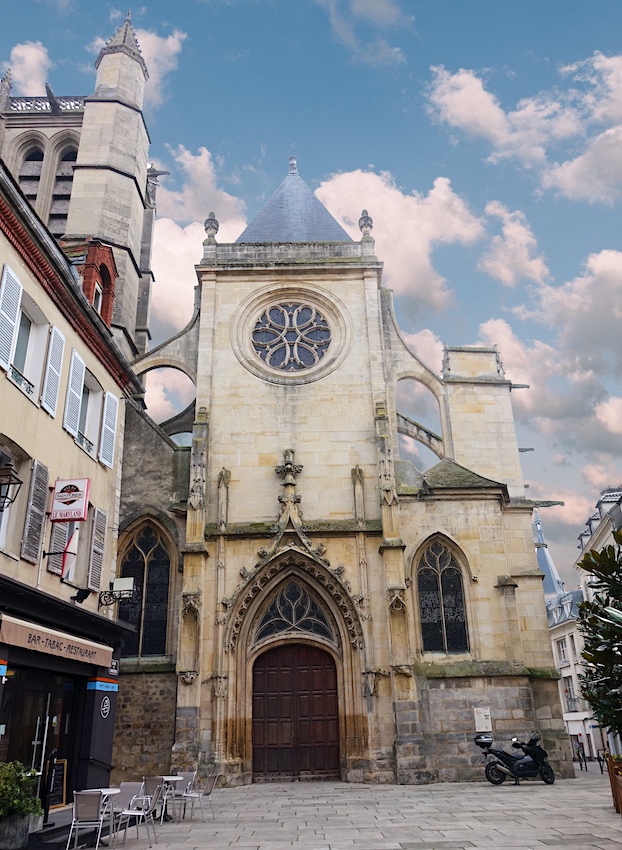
[[193, 795], [141, 808], [88, 813], [186, 784], [129, 790]]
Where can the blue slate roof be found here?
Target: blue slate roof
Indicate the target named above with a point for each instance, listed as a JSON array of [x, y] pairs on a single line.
[[294, 214]]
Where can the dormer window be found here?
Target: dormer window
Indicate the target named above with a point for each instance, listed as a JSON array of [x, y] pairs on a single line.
[[97, 298]]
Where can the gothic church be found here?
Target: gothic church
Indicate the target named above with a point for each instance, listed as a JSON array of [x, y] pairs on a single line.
[[310, 606]]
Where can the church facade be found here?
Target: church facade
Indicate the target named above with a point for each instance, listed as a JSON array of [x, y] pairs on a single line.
[[310, 605], [340, 614]]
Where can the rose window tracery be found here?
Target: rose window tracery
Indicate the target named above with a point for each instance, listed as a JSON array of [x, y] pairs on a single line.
[[291, 337]]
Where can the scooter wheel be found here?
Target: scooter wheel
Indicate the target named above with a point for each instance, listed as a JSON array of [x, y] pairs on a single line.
[[494, 775], [546, 774]]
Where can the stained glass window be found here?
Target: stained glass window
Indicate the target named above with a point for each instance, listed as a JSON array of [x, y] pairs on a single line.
[[442, 610], [293, 610], [291, 337], [146, 561]]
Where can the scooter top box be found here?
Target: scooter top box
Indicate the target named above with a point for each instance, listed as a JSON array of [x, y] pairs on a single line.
[[483, 741]]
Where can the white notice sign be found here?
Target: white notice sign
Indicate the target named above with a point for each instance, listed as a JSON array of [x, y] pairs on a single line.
[[483, 723]]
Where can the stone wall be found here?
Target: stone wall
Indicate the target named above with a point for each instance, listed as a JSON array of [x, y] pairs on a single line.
[[145, 725]]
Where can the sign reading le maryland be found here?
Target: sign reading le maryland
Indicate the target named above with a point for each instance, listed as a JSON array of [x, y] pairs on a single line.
[[70, 501]]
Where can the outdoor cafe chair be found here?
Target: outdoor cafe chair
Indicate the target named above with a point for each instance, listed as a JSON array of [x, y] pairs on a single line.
[[142, 809], [186, 784], [129, 790], [197, 794], [88, 813]]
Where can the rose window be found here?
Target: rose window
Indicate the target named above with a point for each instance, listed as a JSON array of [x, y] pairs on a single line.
[[291, 337]]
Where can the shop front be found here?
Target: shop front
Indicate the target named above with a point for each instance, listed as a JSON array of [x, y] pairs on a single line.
[[58, 687]]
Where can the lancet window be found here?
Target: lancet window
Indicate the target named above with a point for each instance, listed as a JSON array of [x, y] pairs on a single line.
[[147, 561], [442, 610]]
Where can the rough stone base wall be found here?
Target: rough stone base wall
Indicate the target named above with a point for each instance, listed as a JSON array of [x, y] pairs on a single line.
[[144, 726], [435, 740]]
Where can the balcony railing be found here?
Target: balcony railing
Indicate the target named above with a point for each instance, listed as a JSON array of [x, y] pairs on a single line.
[[85, 443], [576, 704], [22, 382]]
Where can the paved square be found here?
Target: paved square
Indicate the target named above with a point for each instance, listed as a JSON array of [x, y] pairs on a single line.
[[572, 814]]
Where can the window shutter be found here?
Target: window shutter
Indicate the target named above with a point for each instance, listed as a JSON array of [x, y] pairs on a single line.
[[109, 430], [58, 541], [35, 512], [51, 382], [10, 303], [98, 541], [74, 394]]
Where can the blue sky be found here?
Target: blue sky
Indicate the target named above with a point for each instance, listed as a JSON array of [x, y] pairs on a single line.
[[484, 138]]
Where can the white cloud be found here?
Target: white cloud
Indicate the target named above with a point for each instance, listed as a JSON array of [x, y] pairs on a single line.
[[29, 64], [604, 74], [407, 229], [161, 55], [609, 413], [428, 348], [462, 101], [345, 16], [168, 392], [200, 195], [595, 175], [512, 256]]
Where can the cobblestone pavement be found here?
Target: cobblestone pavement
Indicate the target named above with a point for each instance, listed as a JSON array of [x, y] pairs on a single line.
[[570, 814]]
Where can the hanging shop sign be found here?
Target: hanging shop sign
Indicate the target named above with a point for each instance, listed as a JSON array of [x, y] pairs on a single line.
[[70, 501]]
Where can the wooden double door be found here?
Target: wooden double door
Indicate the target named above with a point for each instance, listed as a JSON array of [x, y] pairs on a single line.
[[295, 715]]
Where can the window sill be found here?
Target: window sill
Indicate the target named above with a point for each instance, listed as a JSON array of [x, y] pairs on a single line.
[[160, 664]]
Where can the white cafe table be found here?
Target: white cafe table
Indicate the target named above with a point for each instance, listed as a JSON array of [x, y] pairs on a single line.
[[169, 786], [107, 793]]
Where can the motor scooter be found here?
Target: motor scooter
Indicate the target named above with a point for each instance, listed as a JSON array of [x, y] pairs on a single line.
[[528, 765]]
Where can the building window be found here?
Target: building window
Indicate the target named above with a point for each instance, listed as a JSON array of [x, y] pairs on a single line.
[[61, 194], [442, 609], [97, 298], [148, 562], [573, 648], [90, 413], [23, 336], [78, 550], [30, 174], [291, 337], [562, 652], [294, 610]]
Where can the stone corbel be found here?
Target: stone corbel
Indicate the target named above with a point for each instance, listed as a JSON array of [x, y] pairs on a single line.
[[403, 670], [397, 599], [190, 602], [188, 677]]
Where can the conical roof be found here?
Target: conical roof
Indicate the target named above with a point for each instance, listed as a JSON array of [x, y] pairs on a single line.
[[294, 214], [123, 41], [552, 583]]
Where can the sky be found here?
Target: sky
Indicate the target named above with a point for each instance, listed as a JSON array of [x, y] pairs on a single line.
[[484, 138]]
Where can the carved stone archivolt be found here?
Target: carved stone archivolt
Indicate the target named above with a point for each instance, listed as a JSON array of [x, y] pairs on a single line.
[[333, 585]]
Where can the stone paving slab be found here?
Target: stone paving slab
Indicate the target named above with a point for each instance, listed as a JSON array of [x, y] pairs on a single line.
[[574, 814]]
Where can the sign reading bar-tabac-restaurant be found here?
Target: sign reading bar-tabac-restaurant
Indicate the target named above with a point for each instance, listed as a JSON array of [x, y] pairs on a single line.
[[16, 632], [70, 501]]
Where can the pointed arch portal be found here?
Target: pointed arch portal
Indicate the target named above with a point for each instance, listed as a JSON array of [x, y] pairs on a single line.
[[295, 714]]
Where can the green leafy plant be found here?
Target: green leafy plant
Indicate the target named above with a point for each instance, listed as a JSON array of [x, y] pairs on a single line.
[[17, 790], [601, 624]]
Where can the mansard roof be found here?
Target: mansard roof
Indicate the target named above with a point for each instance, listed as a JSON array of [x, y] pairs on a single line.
[[294, 214]]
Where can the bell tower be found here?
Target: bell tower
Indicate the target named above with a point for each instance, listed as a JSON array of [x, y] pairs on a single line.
[[109, 197]]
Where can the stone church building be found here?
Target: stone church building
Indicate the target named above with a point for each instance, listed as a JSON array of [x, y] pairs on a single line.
[[310, 605]]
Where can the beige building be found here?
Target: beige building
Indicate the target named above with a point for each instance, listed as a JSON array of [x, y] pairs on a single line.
[[339, 614]]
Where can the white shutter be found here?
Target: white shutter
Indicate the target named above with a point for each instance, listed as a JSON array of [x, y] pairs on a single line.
[[58, 541], [35, 512], [51, 382], [98, 542], [74, 394], [109, 430], [10, 303]]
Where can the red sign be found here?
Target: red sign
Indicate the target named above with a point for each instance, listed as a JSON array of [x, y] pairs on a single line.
[[70, 502]]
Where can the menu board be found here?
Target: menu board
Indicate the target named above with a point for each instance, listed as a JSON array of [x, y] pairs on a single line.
[[58, 791]]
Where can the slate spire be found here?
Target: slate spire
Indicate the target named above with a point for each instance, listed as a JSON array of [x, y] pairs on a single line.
[[124, 41], [294, 214], [552, 583]]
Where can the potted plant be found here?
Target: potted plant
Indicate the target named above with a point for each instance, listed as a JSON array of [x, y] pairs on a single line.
[[19, 807]]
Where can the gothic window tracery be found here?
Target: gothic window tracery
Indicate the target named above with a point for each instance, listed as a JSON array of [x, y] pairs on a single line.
[[442, 609], [291, 337], [148, 562], [30, 174], [61, 194], [294, 610]]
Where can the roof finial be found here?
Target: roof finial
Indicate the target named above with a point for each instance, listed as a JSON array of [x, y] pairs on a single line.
[[128, 17], [365, 223], [211, 227], [293, 165]]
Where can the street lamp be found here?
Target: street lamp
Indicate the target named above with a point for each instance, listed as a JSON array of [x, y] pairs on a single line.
[[10, 486]]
